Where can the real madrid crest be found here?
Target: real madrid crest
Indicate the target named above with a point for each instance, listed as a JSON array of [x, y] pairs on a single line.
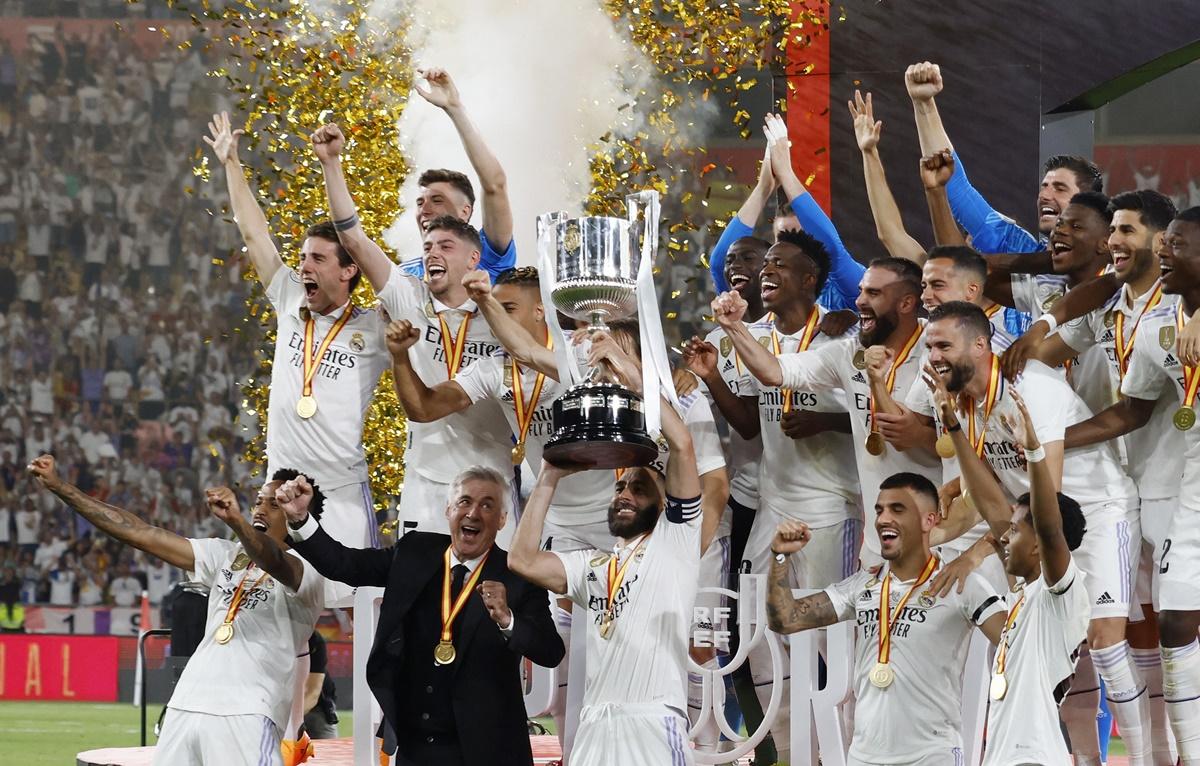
[[571, 238], [1110, 318], [726, 345], [357, 343], [598, 560], [1166, 337], [925, 600]]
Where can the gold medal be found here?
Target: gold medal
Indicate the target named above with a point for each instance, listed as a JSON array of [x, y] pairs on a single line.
[[606, 627], [224, 633], [945, 446], [882, 675], [999, 687], [443, 653], [306, 406], [518, 453], [875, 444], [1184, 418]]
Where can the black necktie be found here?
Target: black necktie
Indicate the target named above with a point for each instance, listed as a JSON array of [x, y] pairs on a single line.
[[458, 573]]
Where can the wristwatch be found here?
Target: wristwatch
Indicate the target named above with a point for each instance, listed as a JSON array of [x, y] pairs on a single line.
[[956, 427], [298, 524]]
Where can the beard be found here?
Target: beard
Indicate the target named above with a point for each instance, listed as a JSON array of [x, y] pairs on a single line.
[[960, 376], [885, 324], [643, 521]]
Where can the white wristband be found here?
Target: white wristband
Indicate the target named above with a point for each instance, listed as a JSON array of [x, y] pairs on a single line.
[[1035, 455], [1050, 321]]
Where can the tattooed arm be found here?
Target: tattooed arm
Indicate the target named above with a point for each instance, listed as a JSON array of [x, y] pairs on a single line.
[[115, 522], [785, 613]]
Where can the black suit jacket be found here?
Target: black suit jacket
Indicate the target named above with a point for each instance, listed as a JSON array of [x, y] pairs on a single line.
[[487, 698]]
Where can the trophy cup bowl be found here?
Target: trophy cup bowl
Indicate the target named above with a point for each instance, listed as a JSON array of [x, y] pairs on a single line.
[[597, 425]]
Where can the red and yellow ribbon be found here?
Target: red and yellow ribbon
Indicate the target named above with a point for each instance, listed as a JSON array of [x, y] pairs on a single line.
[[901, 358], [1191, 374], [995, 390], [616, 576], [524, 412], [454, 348], [806, 338], [1125, 347], [1002, 648], [450, 612], [308, 358], [239, 595], [887, 618]]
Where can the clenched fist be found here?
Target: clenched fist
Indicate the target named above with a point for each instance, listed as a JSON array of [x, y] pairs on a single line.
[[495, 600], [401, 335], [791, 537]]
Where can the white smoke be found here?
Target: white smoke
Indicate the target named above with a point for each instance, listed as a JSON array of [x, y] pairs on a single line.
[[541, 79]]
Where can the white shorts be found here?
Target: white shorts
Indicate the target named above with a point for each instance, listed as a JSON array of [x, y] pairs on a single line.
[[349, 518], [1108, 557], [201, 739], [953, 757], [1179, 565], [714, 573], [578, 537], [830, 556], [631, 734], [1155, 518]]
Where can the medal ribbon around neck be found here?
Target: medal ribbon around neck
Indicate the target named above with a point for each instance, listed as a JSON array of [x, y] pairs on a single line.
[[887, 618], [1191, 375], [450, 612], [1125, 348], [239, 595], [308, 358], [992, 310], [616, 577], [890, 380], [1002, 648], [995, 391], [453, 348], [806, 339], [524, 412]]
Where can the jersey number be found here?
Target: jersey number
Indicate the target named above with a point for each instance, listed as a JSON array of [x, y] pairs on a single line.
[[1164, 566]]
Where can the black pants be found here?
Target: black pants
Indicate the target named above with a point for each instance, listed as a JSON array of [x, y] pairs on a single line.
[[430, 755]]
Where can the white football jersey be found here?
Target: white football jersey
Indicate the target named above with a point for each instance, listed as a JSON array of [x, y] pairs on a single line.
[[327, 446], [1043, 644], [743, 454], [929, 641]]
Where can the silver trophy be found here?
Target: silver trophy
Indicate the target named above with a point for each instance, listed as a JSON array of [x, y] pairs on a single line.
[[595, 279]]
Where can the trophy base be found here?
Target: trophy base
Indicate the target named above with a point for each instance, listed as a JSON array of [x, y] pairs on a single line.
[[599, 427]]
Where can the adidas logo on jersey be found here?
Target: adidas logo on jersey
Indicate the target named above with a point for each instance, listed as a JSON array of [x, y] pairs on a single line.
[[1104, 599], [1170, 361], [858, 378], [728, 366], [592, 576], [1107, 337]]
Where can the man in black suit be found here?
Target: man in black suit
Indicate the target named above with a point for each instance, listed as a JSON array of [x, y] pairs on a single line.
[[445, 665]]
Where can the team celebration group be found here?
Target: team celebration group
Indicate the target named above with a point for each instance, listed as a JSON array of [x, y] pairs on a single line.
[[995, 433]]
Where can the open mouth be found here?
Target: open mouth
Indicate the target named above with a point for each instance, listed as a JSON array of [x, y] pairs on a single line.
[[470, 532], [1060, 249], [435, 270], [769, 288], [259, 523], [888, 535], [1120, 259], [1166, 269], [1048, 211], [866, 321], [310, 287], [738, 282], [942, 368]]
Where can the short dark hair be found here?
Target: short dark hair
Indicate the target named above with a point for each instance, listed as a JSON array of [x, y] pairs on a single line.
[[1154, 210], [1073, 523], [522, 276], [970, 317], [325, 230], [1096, 201], [316, 506], [453, 177], [1189, 215], [914, 481], [458, 227], [964, 257], [811, 247], [1087, 175], [909, 273], [758, 242]]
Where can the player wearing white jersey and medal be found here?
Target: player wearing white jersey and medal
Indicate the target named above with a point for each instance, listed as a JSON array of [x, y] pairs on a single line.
[[959, 352], [328, 357], [911, 647], [807, 467], [453, 337], [231, 704], [638, 598], [1078, 253], [1047, 616], [888, 303], [1155, 368]]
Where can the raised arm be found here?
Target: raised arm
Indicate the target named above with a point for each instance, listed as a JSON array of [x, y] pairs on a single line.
[[497, 212], [1128, 414], [359, 567], [117, 523], [328, 143], [542, 568], [742, 224], [515, 339], [1043, 496], [251, 222], [785, 612], [421, 403], [741, 412], [1037, 343], [889, 226], [902, 428], [261, 549], [728, 310], [936, 171]]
